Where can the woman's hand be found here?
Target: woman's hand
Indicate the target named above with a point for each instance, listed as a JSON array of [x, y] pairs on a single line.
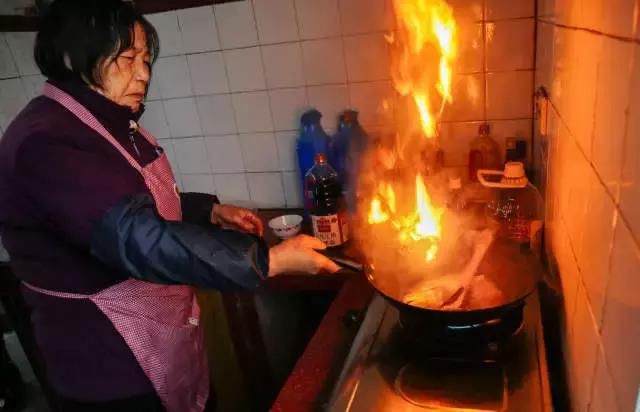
[[237, 218], [298, 255]]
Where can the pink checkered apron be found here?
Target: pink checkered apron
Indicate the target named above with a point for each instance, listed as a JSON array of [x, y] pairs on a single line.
[[158, 322]]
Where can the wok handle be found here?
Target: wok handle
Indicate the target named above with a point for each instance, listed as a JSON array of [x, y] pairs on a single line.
[[346, 263]]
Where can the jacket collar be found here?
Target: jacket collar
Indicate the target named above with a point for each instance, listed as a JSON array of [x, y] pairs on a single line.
[[114, 117]]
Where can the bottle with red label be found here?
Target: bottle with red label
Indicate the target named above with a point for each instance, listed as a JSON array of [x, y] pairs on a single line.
[[323, 197]]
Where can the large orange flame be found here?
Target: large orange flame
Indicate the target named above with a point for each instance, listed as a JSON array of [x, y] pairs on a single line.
[[423, 49], [429, 217], [422, 224], [426, 31]]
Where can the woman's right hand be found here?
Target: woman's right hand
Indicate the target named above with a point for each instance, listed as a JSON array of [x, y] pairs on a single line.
[[298, 255]]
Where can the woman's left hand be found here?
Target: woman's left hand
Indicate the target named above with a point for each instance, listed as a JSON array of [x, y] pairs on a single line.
[[237, 218]]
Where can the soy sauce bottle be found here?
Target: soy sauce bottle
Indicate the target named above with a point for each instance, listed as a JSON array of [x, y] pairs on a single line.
[[323, 196]]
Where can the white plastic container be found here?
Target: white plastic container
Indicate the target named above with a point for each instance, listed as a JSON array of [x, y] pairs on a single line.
[[516, 205]]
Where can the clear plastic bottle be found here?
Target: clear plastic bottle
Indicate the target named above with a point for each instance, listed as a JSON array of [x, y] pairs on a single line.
[[326, 203], [516, 204]]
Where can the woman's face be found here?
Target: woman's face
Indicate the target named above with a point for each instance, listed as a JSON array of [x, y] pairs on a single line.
[[125, 77]]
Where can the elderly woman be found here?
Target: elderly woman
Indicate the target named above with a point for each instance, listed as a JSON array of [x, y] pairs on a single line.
[[106, 246]]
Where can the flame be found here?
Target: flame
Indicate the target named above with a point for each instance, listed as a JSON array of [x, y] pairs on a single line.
[[431, 253], [377, 215], [428, 124], [400, 214], [427, 31], [391, 198], [429, 218], [423, 223]]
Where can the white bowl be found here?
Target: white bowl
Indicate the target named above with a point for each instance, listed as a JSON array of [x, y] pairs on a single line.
[[286, 226]]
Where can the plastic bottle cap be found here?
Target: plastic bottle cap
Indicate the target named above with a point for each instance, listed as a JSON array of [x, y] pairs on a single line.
[[320, 158], [514, 170], [310, 117], [349, 116]]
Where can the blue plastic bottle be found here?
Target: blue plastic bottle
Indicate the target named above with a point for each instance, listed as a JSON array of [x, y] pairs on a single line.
[[312, 141], [347, 147]]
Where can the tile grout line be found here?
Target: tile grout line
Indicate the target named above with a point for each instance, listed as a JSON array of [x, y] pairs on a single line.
[[14, 63], [592, 31], [597, 328], [264, 73], [448, 122], [331, 37], [532, 154], [306, 88], [266, 81], [635, 237], [581, 283], [344, 53], [233, 107], [617, 198], [485, 78], [369, 82]]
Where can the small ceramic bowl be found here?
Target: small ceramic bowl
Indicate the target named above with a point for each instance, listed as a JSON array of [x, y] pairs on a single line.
[[286, 226]]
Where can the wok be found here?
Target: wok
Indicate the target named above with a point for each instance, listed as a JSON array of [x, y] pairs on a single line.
[[514, 271]]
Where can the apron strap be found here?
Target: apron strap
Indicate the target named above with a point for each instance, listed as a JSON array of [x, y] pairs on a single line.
[[148, 136], [87, 118], [64, 295]]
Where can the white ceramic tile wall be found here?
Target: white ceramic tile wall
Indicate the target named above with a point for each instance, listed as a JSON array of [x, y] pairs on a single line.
[[225, 154], [260, 152], [276, 21], [283, 65], [266, 189], [33, 85], [208, 73], [287, 105], [236, 24], [21, 46], [365, 16], [182, 117], [172, 76], [592, 186], [12, 98], [191, 155], [244, 68], [155, 121], [323, 61], [7, 66], [367, 57], [198, 29], [253, 113], [200, 183], [166, 24], [216, 114], [233, 79], [318, 18]]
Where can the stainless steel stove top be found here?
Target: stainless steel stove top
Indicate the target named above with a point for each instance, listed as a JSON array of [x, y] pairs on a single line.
[[385, 372]]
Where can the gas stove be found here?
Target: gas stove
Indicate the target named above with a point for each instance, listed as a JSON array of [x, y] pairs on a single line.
[[391, 368]]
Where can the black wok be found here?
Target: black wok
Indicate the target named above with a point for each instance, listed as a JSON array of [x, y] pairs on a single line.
[[513, 270]]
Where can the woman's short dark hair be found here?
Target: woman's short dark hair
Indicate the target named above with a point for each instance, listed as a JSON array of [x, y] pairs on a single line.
[[77, 36]]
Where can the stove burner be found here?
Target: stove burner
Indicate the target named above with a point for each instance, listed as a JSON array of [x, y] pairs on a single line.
[[434, 333], [453, 385]]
